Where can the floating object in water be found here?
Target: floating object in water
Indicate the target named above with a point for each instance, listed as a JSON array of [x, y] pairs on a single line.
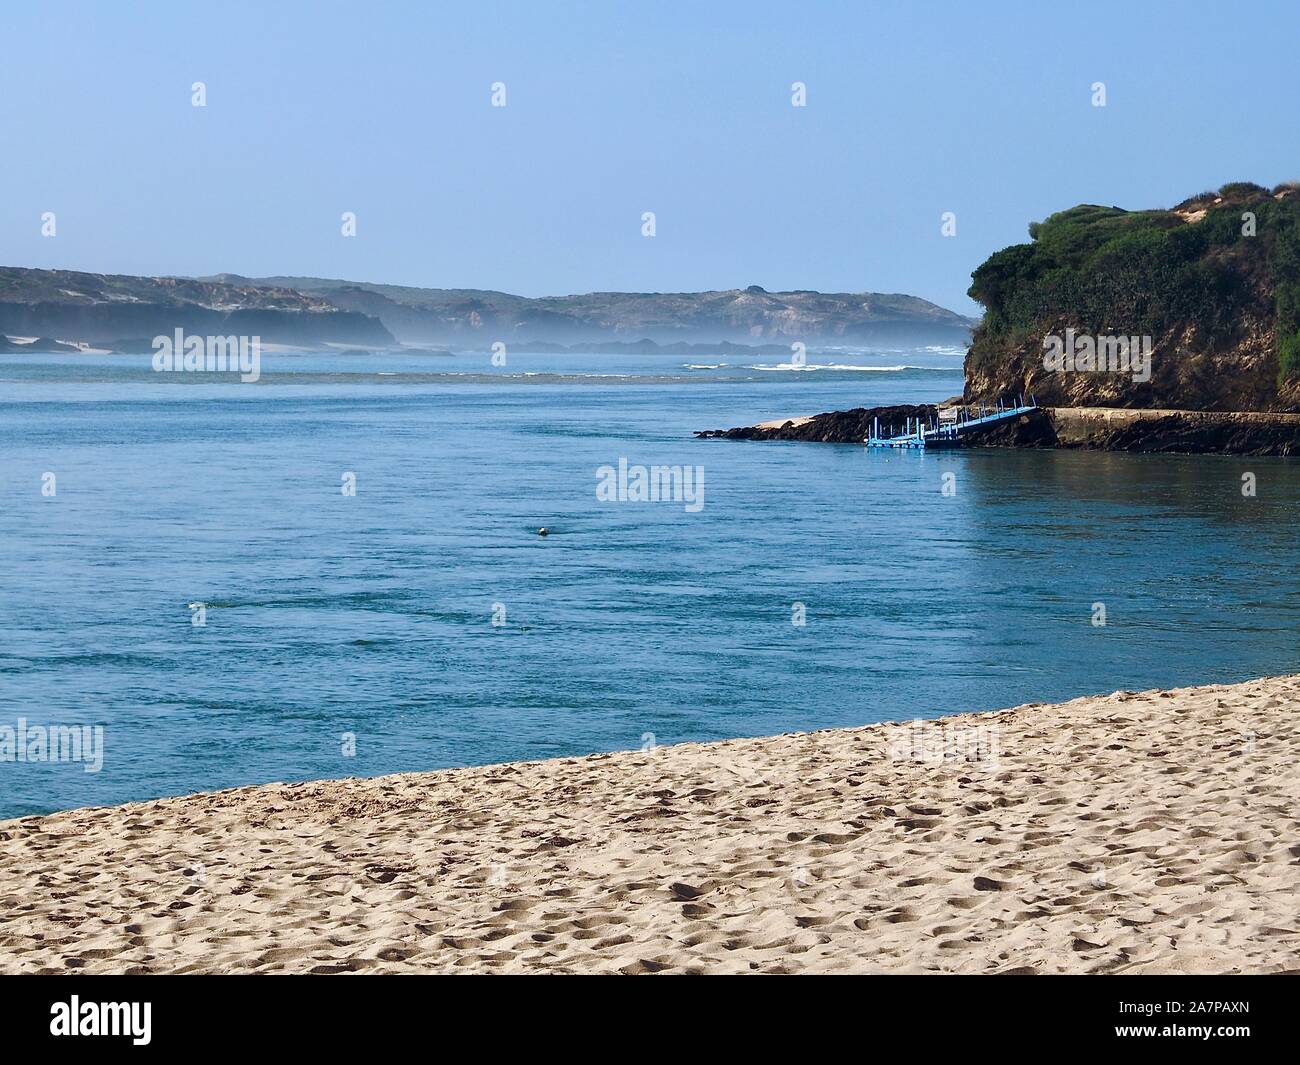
[[543, 531]]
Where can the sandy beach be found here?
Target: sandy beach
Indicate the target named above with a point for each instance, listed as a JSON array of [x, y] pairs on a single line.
[[1131, 833]]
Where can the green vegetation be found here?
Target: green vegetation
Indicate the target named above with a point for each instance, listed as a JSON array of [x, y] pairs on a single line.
[[1288, 358], [1286, 258], [1155, 272]]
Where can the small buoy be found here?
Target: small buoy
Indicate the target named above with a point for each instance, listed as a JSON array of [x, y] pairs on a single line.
[[543, 531]]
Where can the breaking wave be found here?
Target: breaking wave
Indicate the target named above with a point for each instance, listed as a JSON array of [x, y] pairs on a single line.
[[792, 367]]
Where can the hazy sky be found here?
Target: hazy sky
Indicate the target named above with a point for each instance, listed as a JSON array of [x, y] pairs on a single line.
[[684, 109]]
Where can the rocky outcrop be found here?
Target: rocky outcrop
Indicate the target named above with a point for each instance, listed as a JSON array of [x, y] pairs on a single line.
[[1096, 428], [1184, 327], [835, 427], [1214, 284]]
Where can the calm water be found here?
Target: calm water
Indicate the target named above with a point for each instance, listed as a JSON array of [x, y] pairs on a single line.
[[371, 615]]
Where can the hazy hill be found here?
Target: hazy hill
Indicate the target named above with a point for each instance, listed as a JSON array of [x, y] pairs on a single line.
[[479, 317], [111, 309]]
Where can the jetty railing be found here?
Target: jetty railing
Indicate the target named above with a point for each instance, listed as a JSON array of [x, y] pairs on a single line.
[[937, 432]]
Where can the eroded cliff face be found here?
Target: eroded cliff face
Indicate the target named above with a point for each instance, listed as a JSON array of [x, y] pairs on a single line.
[[1189, 370], [1213, 286]]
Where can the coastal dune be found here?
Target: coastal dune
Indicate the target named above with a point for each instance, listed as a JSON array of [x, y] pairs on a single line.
[[1129, 833]]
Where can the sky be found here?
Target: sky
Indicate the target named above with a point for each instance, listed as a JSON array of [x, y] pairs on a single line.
[[384, 109]]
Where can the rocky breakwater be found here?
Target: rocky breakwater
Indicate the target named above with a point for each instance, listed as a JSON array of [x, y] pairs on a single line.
[[1180, 431], [834, 427], [1097, 428]]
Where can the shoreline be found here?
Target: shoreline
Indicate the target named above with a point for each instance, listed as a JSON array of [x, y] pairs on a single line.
[[1134, 429], [1132, 832]]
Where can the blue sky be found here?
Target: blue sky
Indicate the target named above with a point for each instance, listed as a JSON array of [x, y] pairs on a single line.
[[612, 110]]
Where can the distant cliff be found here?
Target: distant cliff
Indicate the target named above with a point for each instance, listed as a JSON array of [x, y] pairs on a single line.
[[1214, 283], [750, 316], [115, 310]]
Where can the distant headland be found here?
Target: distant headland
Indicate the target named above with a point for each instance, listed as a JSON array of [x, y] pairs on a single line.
[[114, 311]]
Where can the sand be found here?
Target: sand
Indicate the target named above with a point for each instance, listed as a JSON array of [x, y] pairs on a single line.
[[1130, 833], [779, 423]]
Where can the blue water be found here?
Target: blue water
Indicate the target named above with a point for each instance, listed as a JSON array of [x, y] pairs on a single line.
[[371, 615]]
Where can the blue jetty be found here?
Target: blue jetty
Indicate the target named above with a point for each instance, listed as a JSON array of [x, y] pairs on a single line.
[[947, 429]]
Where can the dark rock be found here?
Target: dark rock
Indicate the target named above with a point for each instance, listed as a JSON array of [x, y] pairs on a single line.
[[1102, 429], [835, 427]]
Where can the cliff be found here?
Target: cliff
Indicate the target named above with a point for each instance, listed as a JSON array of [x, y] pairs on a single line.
[[1214, 284]]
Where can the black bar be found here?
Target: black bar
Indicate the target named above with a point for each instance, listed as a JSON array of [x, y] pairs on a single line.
[[215, 1014]]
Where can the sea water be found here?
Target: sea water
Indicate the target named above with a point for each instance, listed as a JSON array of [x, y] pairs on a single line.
[[358, 534]]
